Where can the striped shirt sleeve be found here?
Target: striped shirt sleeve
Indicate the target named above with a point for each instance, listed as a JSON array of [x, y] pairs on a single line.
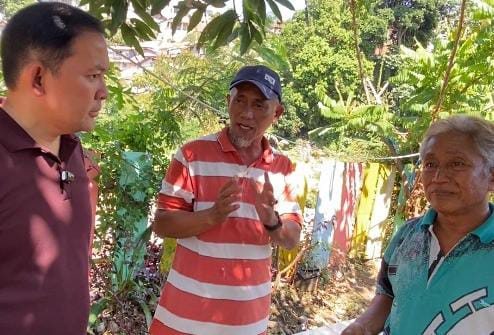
[[176, 188]]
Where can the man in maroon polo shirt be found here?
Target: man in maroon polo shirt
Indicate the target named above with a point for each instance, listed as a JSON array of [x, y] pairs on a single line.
[[54, 57]]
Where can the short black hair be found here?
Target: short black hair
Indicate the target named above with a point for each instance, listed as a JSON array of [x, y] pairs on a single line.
[[43, 31]]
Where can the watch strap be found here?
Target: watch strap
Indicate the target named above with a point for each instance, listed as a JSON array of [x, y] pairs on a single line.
[[277, 225]]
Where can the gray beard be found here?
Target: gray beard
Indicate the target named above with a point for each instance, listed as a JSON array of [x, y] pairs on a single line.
[[239, 142]]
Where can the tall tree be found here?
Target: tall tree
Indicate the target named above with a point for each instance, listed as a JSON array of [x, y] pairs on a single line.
[[412, 19]]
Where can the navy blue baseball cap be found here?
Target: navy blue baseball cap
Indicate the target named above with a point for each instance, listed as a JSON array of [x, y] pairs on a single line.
[[263, 77]]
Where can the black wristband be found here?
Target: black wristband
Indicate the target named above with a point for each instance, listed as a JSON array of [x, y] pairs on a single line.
[[277, 225]]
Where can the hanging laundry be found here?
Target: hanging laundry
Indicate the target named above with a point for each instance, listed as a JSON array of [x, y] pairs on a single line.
[[364, 209], [345, 218], [327, 208], [380, 210], [401, 203]]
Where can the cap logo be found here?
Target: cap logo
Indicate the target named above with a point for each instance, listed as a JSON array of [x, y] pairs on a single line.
[[270, 79]]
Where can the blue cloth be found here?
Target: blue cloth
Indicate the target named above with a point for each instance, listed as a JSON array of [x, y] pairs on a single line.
[[435, 293]]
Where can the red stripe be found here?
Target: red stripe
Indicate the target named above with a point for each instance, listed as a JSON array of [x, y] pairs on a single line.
[[237, 230], [225, 312], [158, 328], [194, 151], [178, 175], [173, 203], [221, 271]]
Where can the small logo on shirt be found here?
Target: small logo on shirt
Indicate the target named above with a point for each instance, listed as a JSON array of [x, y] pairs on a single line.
[[392, 270]]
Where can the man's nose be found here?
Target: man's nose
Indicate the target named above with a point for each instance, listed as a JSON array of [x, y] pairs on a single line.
[[248, 112], [441, 174], [102, 92]]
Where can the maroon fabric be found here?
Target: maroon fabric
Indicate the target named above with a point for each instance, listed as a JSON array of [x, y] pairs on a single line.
[[44, 236]]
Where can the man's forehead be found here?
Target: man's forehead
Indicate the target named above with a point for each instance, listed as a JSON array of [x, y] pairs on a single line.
[[246, 88]]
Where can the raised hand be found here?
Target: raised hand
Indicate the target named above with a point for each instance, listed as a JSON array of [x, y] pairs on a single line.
[[265, 202], [225, 202]]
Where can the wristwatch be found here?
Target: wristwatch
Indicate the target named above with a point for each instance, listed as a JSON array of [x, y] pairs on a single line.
[[277, 225]]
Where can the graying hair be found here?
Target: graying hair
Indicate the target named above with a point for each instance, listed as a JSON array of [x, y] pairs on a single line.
[[479, 130]]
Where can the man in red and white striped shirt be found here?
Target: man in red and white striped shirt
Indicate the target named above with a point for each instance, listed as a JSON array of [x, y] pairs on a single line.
[[226, 197]]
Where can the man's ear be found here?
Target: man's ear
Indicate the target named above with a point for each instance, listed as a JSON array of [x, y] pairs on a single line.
[[33, 76], [491, 179], [278, 111]]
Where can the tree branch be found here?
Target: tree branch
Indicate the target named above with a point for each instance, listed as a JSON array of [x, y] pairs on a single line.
[[451, 62]]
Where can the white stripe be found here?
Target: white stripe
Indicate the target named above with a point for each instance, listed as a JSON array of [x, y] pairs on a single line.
[[216, 169], [245, 211], [248, 211], [226, 250], [202, 205], [207, 328], [210, 137], [175, 191], [201, 168], [179, 156], [214, 291], [286, 207]]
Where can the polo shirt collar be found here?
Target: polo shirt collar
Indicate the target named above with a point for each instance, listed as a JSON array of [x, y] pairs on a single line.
[[485, 231], [14, 138], [227, 146]]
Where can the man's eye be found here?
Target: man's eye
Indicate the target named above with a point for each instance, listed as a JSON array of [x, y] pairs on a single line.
[[429, 165], [94, 76], [457, 165]]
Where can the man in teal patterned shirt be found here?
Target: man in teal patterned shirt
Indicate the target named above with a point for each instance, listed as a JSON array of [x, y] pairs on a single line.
[[437, 275]]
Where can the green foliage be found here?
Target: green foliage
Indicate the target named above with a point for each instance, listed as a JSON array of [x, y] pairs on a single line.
[[320, 53], [470, 87], [9, 7], [352, 123], [133, 141], [412, 20], [248, 25]]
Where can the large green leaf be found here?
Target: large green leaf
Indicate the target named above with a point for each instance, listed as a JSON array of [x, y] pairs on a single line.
[[143, 30], [213, 28], [183, 9], [195, 19], [245, 37], [225, 32], [129, 36], [286, 3], [118, 14], [276, 10], [158, 5], [140, 10]]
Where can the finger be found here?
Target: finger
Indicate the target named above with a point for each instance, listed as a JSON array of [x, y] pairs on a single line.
[[267, 187], [256, 186], [230, 187]]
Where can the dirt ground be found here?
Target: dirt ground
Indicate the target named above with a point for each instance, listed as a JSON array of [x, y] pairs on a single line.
[[339, 295]]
